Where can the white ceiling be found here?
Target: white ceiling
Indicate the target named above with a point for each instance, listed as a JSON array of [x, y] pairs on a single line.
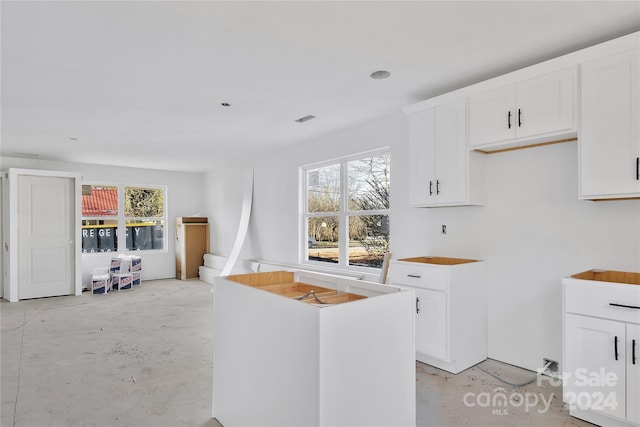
[[141, 83]]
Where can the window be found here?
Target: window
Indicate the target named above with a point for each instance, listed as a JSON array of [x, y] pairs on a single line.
[[144, 214], [346, 211], [110, 211]]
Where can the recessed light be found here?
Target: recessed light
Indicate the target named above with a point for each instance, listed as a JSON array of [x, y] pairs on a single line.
[[305, 118], [226, 104], [380, 74]]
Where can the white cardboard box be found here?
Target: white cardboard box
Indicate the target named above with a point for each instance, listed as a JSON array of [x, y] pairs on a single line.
[[122, 281]]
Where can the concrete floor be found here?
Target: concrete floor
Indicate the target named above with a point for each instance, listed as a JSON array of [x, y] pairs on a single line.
[[144, 358]]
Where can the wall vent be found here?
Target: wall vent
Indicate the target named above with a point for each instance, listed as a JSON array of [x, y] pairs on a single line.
[[305, 118]]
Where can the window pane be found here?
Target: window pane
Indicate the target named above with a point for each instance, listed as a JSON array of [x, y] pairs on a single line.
[[368, 240], [143, 202], [144, 235], [368, 183], [323, 237], [99, 236], [99, 200], [323, 189]]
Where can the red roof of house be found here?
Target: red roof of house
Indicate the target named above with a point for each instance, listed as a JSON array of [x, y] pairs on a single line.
[[101, 202]]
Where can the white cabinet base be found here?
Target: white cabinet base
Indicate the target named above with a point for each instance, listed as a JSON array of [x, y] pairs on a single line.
[[601, 330], [450, 309], [283, 362], [599, 419]]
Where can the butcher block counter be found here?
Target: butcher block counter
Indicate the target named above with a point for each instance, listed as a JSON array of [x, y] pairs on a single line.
[[298, 348]]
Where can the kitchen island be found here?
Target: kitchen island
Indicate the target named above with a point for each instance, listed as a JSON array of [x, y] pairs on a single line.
[[296, 348]]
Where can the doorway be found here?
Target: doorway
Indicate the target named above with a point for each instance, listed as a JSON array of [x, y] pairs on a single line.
[[44, 234]]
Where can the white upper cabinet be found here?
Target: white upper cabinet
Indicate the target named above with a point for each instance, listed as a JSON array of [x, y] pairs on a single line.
[[439, 156], [422, 157], [591, 94], [491, 116], [545, 105], [532, 111], [609, 137]]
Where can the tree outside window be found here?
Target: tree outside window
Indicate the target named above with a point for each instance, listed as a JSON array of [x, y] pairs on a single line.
[[347, 211], [144, 213]]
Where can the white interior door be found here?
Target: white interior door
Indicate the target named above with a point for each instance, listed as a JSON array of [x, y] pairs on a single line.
[[46, 263], [4, 215]]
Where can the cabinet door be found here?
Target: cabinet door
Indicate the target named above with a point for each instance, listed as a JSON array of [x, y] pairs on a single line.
[[451, 152], [491, 116], [633, 373], [595, 371], [431, 323], [545, 104], [422, 149], [609, 133]]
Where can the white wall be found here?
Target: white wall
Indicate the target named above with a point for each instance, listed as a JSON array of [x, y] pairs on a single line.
[[184, 197], [532, 231]]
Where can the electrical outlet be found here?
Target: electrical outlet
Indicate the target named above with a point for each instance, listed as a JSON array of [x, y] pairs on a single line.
[[550, 366]]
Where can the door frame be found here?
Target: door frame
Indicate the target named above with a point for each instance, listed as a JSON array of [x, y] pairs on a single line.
[[13, 175]]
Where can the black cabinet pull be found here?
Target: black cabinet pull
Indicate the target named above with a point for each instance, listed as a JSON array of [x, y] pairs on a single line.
[[519, 117], [509, 120], [615, 346], [624, 306], [437, 186], [431, 188], [415, 276], [637, 168], [417, 305], [633, 352]]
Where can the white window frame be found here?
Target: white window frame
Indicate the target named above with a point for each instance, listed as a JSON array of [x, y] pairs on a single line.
[[343, 214], [122, 219]]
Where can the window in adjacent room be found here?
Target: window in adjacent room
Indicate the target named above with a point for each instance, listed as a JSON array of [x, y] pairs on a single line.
[[99, 218], [144, 214], [346, 210], [110, 211]]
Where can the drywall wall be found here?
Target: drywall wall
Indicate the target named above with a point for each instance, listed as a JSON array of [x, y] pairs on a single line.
[[273, 231], [532, 231], [184, 197]]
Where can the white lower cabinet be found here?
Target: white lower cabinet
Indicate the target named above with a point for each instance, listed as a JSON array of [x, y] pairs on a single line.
[[450, 309], [282, 357], [633, 373], [591, 349], [431, 321], [602, 347]]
